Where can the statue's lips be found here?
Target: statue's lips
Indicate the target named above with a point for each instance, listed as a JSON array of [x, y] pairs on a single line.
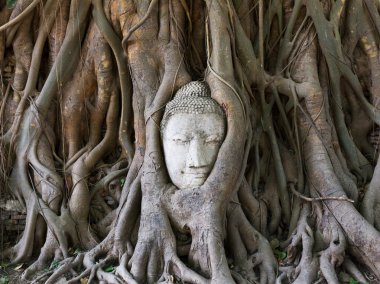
[[196, 175]]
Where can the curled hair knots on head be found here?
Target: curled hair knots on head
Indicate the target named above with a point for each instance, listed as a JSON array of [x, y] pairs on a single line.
[[192, 98]]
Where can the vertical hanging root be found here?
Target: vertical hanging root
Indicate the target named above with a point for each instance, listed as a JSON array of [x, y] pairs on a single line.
[[234, 73]]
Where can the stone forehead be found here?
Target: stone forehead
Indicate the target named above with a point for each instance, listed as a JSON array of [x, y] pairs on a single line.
[[192, 98]]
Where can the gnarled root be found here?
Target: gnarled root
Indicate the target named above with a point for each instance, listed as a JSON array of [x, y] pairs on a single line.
[[249, 250], [370, 205], [155, 254], [333, 256], [306, 270]]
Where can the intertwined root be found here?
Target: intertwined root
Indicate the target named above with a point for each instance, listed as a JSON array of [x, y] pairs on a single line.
[[370, 206], [250, 251], [314, 255], [311, 102]]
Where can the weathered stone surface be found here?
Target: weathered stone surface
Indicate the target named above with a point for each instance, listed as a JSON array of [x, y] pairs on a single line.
[[192, 130]]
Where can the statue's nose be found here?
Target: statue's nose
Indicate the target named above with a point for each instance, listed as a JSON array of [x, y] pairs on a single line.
[[197, 154]]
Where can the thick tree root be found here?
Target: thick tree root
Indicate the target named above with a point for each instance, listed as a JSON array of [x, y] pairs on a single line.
[[302, 76], [250, 250]]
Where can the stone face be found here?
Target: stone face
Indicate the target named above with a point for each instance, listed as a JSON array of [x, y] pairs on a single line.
[[191, 145], [192, 130]]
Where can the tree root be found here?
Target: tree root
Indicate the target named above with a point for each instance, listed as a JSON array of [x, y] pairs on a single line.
[[369, 207], [67, 265], [305, 84], [20, 16], [353, 270], [306, 269], [49, 251], [251, 250], [333, 256]]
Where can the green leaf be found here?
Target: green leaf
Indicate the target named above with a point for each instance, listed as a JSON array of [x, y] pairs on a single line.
[[11, 4], [4, 264], [4, 280], [54, 264], [109, 268], [77, 251], [353, 281], [122, 181], [74, 251], [279, 254]]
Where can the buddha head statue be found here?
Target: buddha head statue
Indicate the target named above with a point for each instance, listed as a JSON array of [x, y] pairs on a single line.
[[192, 130]]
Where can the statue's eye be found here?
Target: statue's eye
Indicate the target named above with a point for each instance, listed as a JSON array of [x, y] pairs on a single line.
[[213, 139], [181, 139]]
